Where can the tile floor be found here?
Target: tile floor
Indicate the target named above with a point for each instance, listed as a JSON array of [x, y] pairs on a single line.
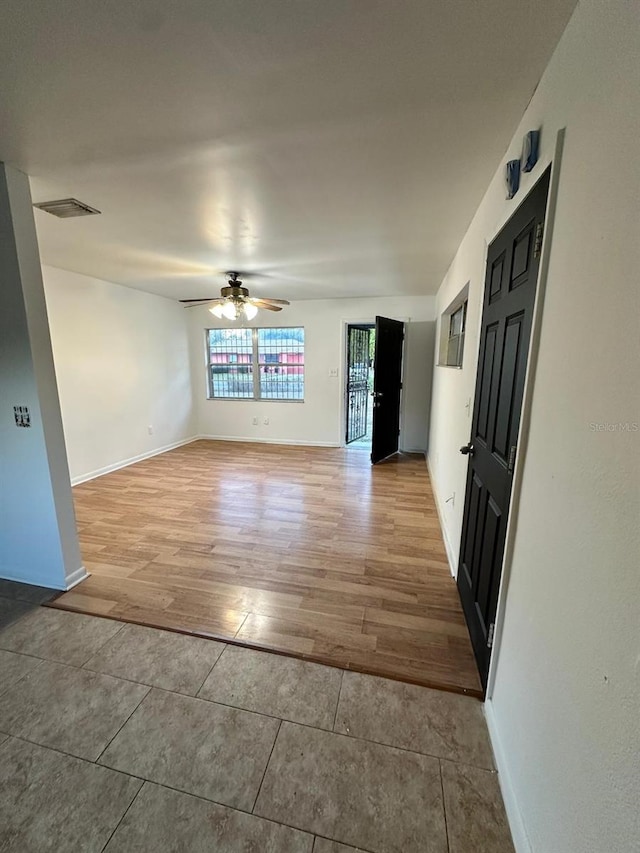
[[120, 738]]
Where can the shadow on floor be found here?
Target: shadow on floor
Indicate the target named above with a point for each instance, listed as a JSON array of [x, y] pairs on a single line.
[[16, 599]]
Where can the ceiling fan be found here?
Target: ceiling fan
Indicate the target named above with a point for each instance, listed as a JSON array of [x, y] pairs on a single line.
[[234, 301]]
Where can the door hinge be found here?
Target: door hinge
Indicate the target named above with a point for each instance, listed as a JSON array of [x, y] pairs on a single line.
[[537, 244], [492, 629], [512, 458]]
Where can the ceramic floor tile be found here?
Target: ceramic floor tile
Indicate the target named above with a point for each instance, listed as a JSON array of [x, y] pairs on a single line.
[[52, 802], [26, 592], [196, 746], [359, 793], [173, 822], [416, 718], [159, 658], [58, 635], [12, 610], [69, 709], [323, 845], [476, 819], [273, 684], [13, 667]]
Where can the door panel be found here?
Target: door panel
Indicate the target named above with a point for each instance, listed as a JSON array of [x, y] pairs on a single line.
[[496, 278], [511, 356], [522, 256], [488, 358], [510, 289], [490, 533], [387, 388]]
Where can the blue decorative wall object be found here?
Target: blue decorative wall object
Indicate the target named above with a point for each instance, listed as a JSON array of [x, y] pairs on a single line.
[[512, 177], [530, 145]]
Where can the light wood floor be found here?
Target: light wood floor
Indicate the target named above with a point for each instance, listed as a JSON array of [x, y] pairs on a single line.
[[307, 551]]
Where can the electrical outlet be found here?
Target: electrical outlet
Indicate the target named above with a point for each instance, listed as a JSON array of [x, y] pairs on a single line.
[[266, 421], [150, 429], [255, 421], [333, 373]]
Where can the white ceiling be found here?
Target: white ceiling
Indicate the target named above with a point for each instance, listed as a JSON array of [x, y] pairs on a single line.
[[339, 147]]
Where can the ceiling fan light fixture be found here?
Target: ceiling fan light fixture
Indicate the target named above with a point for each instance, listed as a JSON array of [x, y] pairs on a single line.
[[250, 310], [235, 302], [230, 310]]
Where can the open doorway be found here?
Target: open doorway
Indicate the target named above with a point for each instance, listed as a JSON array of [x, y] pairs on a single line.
[[361, 343]]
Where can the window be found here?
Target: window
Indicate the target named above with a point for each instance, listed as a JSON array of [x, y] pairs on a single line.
[[455, 340], [451, 331], [256, 364]]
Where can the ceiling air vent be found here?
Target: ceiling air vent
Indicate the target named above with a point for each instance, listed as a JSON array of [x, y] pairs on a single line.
[[65, 208]]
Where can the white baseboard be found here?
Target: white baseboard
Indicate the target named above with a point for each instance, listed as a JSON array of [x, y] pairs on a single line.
[[91, 475], [44, 581], [256, 440], [514, 815], [452, 556], [75, 577]]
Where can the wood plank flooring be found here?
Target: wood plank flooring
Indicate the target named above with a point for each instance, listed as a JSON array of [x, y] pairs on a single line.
[[306, 551]]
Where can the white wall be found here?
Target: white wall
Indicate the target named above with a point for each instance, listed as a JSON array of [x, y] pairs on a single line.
[[122, 363], [38, 539], [126, 360], [320, 419], [418, 355], [565, 708]]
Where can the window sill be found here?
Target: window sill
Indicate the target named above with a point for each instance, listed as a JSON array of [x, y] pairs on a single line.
[[451, 366], [248, 400]]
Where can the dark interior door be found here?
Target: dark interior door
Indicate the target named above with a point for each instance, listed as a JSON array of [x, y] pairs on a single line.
[[387, 387], [357, 381], [509, 293]]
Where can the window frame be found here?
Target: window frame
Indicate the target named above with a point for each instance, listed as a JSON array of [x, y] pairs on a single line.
[[255, 364], [444, 329], [459, 337]]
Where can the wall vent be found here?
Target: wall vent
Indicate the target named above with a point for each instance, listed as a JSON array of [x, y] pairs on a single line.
[[65, 208]]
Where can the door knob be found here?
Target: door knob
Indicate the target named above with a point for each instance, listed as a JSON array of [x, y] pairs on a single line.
[[376, 394], [467, 449]]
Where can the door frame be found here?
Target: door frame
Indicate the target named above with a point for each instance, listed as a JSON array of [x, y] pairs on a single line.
[[529, 383], [345, 390], [342, 374]]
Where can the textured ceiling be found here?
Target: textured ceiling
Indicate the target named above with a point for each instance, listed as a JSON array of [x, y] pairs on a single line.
[[339, 148]]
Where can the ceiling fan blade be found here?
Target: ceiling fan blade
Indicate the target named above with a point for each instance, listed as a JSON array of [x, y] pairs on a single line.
[[207, 299], [266, 300], [202, 304], [260, 304]]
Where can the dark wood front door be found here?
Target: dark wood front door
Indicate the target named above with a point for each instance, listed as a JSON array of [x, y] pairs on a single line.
[[509, 294], [387, 387]]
